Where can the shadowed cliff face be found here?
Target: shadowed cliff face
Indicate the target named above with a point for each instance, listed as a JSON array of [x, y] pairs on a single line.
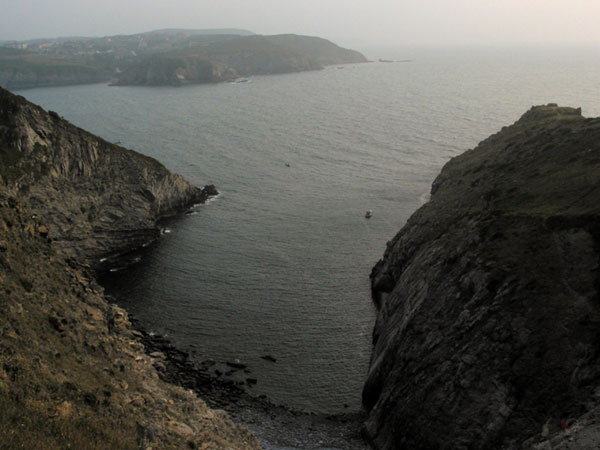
[[96, 198], [488, 323]]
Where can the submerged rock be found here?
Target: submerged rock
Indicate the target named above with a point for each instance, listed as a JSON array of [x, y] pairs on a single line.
[[236, 364], [488, 314]]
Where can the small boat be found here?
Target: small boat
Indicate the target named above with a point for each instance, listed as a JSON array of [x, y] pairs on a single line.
[[287, 164], [368, 214]]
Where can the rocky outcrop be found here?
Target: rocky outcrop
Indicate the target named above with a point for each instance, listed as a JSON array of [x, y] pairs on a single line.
[[161, 70], [487, 334], [73, 372], [96, 199]]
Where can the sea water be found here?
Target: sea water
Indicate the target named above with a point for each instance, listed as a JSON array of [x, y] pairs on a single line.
[[278, 264]]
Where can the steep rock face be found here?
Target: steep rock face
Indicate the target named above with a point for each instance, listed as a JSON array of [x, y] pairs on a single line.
[[487, 334], [73, 373], [96, 198]]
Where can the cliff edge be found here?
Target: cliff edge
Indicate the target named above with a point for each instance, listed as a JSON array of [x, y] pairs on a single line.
[[487, 333], [73, 373], [97, 199]]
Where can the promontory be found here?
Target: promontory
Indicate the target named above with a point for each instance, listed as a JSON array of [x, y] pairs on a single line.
[[488, 327], [172, 57]]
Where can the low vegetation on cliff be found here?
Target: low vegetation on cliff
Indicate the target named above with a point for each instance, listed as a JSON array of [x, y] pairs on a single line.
[[73, 373], [489, 322], [21, 69]]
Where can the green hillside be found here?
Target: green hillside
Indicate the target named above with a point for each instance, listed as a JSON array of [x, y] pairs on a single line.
[[164, 57]]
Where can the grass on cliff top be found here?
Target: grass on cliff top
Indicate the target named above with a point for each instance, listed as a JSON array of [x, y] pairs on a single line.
[[40, 65], [47, 393], [547, 165], [8, 164], [26, 427]]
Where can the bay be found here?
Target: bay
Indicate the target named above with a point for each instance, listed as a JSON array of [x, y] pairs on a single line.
[[278, 264]]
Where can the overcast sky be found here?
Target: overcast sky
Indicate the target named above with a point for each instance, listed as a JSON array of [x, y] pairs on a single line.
[[348, 22]]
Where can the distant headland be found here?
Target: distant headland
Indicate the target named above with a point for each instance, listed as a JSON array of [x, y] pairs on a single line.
[[170, 57]]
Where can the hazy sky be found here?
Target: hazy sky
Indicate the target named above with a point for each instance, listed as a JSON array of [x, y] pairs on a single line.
[[349, 22]]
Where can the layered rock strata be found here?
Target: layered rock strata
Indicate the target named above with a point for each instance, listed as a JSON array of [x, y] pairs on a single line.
[[97, 199], [488, 325]]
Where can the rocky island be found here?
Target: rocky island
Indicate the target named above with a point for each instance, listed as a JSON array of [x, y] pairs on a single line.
[[488, 325], [73, 372]]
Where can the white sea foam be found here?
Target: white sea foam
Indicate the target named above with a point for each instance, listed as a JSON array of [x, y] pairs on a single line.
[[208, 200], [424, 198]]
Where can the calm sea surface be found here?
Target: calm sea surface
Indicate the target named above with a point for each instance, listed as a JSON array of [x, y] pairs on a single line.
[[278, 264]]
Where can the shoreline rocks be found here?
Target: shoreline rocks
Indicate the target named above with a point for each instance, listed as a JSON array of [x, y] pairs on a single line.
[[275, 425]]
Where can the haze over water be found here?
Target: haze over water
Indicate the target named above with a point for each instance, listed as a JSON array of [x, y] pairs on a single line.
[[278, 264]]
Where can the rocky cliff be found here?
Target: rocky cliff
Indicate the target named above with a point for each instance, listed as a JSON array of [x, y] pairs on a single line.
[[227, 59], [487, 334], [96, 199], [73, 373]]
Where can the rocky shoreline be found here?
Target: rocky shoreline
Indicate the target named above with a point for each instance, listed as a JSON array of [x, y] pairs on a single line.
[[73, 372], [135, 240], [276, 426], [85, 206], [227, 385]]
